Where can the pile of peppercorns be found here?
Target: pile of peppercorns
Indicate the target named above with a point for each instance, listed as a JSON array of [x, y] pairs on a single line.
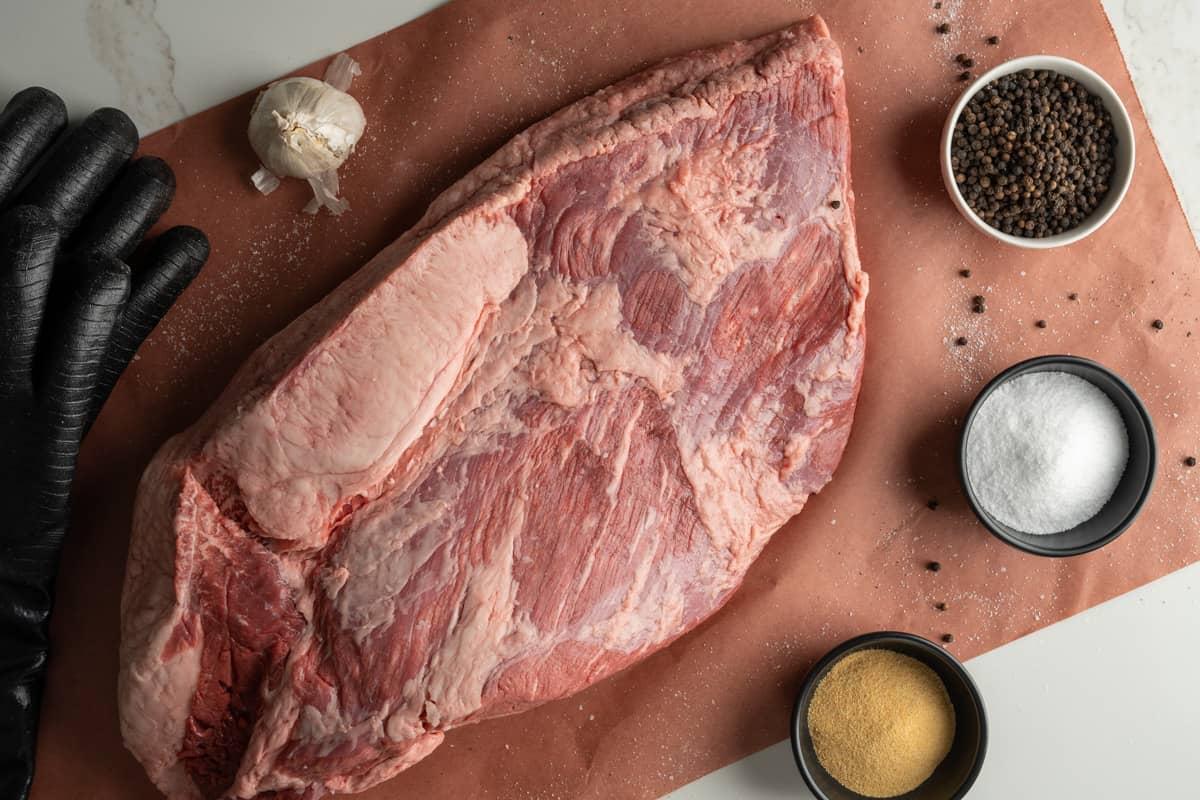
[[1033, 153]]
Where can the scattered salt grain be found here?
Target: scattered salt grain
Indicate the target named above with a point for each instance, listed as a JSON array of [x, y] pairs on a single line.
[[1046, 451]]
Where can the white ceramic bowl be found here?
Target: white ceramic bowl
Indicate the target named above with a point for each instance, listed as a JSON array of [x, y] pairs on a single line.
[[1122, 170]]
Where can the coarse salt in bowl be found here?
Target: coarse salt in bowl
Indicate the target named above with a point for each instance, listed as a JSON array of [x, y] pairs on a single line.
[[1125, 153], [1132, 491]]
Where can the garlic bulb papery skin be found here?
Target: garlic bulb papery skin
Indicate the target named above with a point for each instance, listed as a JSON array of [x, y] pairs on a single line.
[[303, 127]]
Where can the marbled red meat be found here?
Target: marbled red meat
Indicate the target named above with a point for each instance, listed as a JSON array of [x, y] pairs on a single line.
[[540, 436]]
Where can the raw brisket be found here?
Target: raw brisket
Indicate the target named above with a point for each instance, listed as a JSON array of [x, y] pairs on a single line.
[[538, 437]]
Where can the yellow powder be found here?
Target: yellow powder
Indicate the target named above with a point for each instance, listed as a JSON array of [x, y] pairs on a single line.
[[881, 722]]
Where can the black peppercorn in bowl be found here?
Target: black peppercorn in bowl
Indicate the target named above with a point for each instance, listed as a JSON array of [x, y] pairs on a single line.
[[1038, 152], [1130, 494], [956, 773]]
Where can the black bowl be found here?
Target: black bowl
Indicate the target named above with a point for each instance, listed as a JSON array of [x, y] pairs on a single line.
[[957, 772], [1131, 493]]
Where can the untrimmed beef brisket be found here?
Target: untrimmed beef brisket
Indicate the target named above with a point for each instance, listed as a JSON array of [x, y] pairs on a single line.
[[540, 436]]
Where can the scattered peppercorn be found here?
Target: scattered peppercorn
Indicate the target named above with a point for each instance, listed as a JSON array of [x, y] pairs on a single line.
[[933, 504], [940, 606], [1073, 296], [993, 40], [966, 273], [1190, 461], [1041, 323], [964, 76], [1158, 324], [933, 566], [835, 204], [947, 637], [961, 341], [943, 28], [1033, 153], [860, 49]]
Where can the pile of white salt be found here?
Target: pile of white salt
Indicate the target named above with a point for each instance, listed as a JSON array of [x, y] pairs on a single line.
[[1046, 451]]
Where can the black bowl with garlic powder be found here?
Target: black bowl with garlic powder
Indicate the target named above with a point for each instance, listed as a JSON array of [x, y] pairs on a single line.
[[839, 735]]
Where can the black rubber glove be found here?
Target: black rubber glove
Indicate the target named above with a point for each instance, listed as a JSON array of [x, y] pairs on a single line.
[[72, 313]]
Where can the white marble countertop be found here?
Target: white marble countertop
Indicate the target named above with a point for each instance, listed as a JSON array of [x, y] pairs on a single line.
[[1103, 705]]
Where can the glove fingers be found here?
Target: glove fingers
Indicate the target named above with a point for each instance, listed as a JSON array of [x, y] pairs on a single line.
[[134, 203], [81, 166], [175, 259], [70, 363], [28, 124], [26, 571], [28, 247]]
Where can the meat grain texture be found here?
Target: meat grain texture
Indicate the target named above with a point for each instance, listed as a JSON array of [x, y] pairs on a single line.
[[537, 438]]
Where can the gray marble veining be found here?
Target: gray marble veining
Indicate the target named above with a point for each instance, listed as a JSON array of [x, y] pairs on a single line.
[[127, 39], [1159, 40]]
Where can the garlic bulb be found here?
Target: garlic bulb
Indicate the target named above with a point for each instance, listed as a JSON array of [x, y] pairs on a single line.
[[301, 127], [306, 128]]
